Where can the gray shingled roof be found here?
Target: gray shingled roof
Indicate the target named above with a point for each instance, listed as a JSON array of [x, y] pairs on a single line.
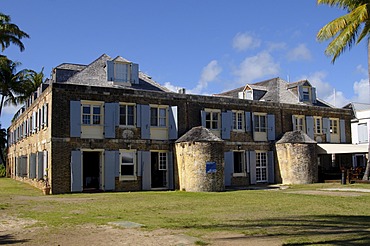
[[199, 134]]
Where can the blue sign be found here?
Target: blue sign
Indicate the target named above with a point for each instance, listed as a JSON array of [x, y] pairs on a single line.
[[211, 167]]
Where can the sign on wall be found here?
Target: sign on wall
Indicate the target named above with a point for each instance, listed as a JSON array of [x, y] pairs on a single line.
[[211, 167]]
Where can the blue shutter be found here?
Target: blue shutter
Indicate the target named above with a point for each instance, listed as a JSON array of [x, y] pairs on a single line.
[[228, 167], [173, 123], [248, 122], [110, 71], [310, 127], [342, 124], [247, 162], [32, 172], [252, 164], [294, 123], [76, 171], [110, 119], [270, 127], [170, 170], [300, 93], [203, 118], [134, 73], [326, 128], [110, 164], [40, 165], [313, 94], [253, 124], [271, 167], [138, 115], [146, 177], [75, 119], [145, 121], [226, 122]]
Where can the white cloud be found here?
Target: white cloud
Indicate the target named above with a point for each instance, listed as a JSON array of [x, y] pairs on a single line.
[[362, 70], [171, 87], [361, 90], [209, 73], [244, 41], [271, 46], [256, 67], [301, 52]]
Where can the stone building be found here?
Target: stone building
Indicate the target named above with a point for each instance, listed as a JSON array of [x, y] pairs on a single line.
[[107, 126]]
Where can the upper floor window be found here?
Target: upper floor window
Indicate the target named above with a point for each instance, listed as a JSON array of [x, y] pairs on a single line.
[[306, 93], [299, 123], [127, 115], [91, 114], [317, 125], [260, 122], [249, 94], [334, 123], [213, 120], [238, 120], [158, 116]]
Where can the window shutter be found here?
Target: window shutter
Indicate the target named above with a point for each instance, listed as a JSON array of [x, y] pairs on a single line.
[[40, 165], [294, 123], [342, 124], [45, 161], [226, 122], [309, 126], [203, 118], [271, 167], [271, 127], [145, 121], [229, 167], [33, 122], [110, 163], [241, 95], [173, 127], [110, 71], [76, 171], [313, 94], [138, 115], [362, 133], [326, 128], [300, 93], [247, 162], [252, 163], [75, 118], [110, 119], [32, 172], [46, 115], [134, 73], [146, 170], [170, 171], [248, 122]]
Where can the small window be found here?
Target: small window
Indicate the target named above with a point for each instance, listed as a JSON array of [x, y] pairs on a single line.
[[91, 114], [158, 116], [238, 120], [306, 93], [212, 120], [128, 165], [334, 126], [318, 125], [299, 123], [127, 115], [260, 122]]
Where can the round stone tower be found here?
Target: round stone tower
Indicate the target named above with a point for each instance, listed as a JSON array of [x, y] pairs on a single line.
[[200, 161], [297, 158]]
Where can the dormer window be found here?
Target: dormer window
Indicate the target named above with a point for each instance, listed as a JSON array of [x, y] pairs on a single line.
[[249, 94], [123, 72], [306, 94]]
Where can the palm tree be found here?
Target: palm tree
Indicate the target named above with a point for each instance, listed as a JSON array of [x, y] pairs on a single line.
[[10, 33], [346, 31], [31, 81]]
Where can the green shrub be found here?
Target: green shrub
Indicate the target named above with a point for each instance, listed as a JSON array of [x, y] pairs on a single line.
[[2, 170]]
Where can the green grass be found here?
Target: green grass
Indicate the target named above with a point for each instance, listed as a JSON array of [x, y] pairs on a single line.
[[298, 219]]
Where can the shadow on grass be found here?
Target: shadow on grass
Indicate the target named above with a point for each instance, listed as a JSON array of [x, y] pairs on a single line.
[[8, 239], [304, 230]]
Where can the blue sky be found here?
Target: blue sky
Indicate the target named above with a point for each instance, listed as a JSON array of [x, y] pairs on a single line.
[[204, 46]]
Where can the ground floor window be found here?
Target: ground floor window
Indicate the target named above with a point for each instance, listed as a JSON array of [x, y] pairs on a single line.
[[261, 166], [128, 164], [239, 163]]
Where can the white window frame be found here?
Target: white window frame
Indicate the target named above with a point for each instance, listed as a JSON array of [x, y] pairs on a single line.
[[163, 160], [243, 164], [306, 93], [300, 123], [261, 166], [334, 126], [126, 105], [257, 122], [91, 114], [238, 120], [317, 122], [213, 118], [122, 152], [160, 120]]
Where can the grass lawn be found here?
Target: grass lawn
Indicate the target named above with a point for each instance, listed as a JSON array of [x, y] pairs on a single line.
[[294, 215]]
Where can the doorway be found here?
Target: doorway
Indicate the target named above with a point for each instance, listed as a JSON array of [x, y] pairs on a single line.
[[91, 170], [159, 169]]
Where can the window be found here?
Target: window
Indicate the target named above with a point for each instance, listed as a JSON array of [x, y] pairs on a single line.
[[239, 163], [212, 120], [127, 115], [91, 114], [249, 94], [306, 93], [158, 116], [261, 166], [121, 72], [128, 165], [260, 122], [363, 133], [299, 123], [334, 126], [162, 161], [317, 125], [238, 120]]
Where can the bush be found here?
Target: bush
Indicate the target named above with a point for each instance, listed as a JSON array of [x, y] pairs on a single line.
[[2, 170]]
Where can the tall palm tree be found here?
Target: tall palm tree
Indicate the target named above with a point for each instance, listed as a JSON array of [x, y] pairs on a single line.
[[346, 31], [10, 33], [30, 81]]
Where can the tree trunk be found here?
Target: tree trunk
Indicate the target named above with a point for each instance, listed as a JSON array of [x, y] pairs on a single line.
[[367, 170]]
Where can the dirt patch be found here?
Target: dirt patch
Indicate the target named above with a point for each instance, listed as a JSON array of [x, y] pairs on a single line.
[[233, 239]]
